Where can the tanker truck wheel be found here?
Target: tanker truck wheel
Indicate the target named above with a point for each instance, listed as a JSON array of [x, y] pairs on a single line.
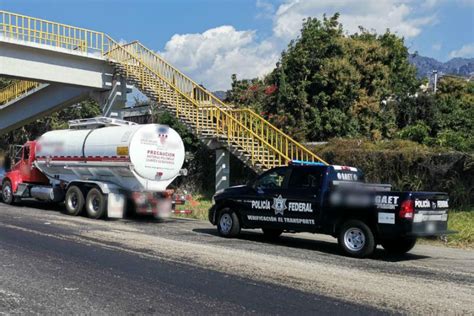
[[96, 204], [74, 200]]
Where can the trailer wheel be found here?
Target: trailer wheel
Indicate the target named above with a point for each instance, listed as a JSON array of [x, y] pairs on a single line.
[[398, 246], [228, 224], [356, 239], [96, 204], [7, 193], [74, 201]]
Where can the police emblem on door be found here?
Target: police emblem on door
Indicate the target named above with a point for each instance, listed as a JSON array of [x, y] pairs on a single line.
[[279, 205]]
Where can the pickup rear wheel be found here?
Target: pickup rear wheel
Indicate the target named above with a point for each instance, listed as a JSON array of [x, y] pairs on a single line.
[[228, 224], [356, 239], [74, 200], [398, 246], [96, 204], [7, 193]]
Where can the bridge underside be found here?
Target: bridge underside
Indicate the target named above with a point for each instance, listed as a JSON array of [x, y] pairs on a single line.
[[54, 79], [45, 100], [53, 65]]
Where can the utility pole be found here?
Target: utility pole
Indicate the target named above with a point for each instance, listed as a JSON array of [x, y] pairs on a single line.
[[435, 85]]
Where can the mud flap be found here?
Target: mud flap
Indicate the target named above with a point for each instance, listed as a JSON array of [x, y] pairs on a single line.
[[115, 205]]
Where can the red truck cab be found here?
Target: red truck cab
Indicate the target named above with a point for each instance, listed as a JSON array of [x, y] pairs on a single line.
[[22, 170]]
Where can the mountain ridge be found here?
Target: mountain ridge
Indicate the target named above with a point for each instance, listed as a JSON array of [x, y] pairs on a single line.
[[456, 66]]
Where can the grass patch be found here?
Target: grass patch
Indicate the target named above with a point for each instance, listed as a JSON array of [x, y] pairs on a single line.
[[200, 206], [463, 223]]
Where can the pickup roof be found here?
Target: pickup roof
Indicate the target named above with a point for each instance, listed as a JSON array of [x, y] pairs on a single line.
[[333, 200]]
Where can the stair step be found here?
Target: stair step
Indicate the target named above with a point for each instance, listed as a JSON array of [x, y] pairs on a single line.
[[170, 100]]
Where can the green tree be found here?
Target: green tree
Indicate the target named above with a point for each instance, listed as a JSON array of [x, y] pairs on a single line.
[[328, 84]]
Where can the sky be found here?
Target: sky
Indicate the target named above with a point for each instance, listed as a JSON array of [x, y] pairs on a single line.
[[210, 40]]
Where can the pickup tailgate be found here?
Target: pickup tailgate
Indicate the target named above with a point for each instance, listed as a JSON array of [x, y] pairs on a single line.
[[431, 213]]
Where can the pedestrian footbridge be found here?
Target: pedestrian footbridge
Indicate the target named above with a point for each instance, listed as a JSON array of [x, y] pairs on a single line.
[[57, 65]]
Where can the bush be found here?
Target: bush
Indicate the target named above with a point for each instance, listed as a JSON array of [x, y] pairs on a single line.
[[456, 140], [417, 133], [407, 166]]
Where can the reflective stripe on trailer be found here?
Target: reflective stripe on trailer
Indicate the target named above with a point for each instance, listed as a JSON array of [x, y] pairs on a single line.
[[82, 159]]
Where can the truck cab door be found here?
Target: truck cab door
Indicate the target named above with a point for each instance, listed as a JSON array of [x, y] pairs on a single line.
[[24, 163], [264, 205], [304, 196]]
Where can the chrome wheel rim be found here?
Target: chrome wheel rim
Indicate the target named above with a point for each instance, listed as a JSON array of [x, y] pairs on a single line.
[[72, 201], [7, 193], [94, 203], [354, 239], [225, 223]]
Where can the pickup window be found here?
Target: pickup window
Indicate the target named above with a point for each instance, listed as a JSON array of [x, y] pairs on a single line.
[[271, 180], [302, 178]]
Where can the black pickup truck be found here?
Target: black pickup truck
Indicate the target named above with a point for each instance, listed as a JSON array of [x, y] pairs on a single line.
[[333, 200]]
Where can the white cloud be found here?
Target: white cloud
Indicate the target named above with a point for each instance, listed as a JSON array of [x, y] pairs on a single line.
[[465, 51], [434, 3], [372, 14], [213, 56], [266, 9]]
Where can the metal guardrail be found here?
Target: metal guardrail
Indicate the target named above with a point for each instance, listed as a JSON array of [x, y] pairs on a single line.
[[16, 89], [263, 142], [33, 30]]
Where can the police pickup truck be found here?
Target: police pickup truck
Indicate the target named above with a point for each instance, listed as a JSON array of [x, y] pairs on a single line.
[[333, 200]]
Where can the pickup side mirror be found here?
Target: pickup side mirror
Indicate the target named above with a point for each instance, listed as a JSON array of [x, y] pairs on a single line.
[[253, 184]]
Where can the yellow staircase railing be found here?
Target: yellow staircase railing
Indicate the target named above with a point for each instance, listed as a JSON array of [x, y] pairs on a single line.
[[182, 82], [284, 147], [248, 134], [16, 89]]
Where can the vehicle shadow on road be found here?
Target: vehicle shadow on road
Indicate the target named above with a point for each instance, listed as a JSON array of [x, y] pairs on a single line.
[[61, 209], [312, 244], [41, 205]]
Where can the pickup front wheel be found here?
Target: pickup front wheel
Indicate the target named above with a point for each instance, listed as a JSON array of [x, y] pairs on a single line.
[[228, 224], [356, 239]]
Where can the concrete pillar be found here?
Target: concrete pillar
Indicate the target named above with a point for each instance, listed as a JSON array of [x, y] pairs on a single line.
[[222, 168], [115, 99]]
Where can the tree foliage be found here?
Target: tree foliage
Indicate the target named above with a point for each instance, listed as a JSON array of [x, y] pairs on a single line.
[[329, 84]]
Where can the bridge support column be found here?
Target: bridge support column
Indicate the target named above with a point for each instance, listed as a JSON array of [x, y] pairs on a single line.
[[222, 168], [115, 99]]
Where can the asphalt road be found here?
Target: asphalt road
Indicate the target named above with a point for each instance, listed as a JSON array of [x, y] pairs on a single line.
[[51, 263]]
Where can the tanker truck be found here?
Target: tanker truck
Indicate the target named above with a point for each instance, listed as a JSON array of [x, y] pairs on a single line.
[[102, 166]]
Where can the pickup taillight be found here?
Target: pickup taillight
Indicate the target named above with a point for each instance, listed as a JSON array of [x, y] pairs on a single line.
[[407, 209]]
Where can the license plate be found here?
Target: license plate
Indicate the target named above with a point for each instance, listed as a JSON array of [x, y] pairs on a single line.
[[430, 217]]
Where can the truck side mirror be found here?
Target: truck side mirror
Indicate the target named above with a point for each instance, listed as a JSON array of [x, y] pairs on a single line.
[[8, 163]]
